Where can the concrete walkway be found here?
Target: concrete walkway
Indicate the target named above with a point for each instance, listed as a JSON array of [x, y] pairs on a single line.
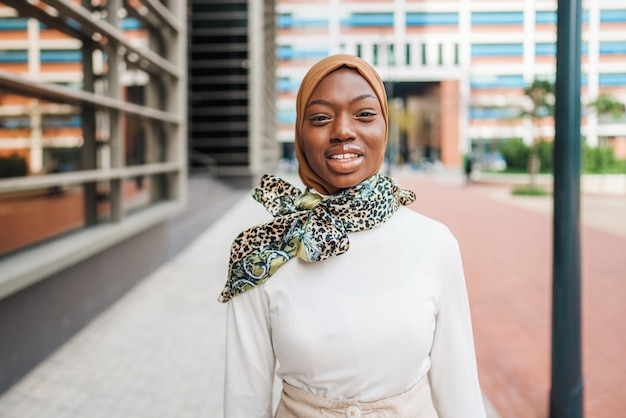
[[158, 352]]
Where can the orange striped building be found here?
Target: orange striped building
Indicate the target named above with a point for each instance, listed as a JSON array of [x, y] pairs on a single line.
[[455, 69]]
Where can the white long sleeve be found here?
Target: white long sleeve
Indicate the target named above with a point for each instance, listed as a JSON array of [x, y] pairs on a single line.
[[250, 362], [367, 324]]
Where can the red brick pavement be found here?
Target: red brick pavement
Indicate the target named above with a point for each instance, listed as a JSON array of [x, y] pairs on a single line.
[[507, 252]]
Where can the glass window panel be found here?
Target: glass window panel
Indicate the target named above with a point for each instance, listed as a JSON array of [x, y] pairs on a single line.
[[34, 216]]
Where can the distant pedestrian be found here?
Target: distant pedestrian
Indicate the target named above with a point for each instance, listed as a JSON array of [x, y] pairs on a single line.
[[360, 301], [469, 168]]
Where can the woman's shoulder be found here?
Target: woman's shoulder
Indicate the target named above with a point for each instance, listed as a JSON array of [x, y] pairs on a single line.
[[413, 219], [416, 228]]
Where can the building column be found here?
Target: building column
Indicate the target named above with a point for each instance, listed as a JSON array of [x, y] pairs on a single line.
[[34, 69], [449, 123]]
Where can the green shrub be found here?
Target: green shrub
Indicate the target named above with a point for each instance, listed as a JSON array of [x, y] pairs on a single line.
[[601, 160], [13, 166], [515, 153], [529, 191], [595, 160]]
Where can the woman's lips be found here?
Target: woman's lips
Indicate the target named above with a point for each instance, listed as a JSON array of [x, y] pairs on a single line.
[[344, 161]]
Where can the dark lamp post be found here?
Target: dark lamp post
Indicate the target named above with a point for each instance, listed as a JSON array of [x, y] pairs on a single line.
[[566, 394]]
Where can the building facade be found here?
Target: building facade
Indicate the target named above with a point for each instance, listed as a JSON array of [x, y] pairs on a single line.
[[232, 113], [93, 161], [455, 71]]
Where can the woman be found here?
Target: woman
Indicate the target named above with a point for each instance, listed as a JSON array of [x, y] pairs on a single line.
[[371, 318]]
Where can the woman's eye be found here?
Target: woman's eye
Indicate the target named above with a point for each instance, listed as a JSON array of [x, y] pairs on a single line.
[[318, 118], [366, 114]]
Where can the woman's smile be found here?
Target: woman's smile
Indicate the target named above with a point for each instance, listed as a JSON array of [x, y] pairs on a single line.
[[344, 160]]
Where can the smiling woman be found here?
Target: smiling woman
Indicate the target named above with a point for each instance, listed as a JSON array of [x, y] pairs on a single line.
[[366, 312]]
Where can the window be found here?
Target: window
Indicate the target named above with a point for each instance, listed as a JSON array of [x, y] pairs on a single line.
[[13, 57], [613, 47], [545, 17], [613, 16], [617, 79], [497, 81], [368, 20], [13, 23], [494, 50], [545, 49], [494, 113], [497, 18], [289, 52], [56, 56], [288, 21], [425, 19]]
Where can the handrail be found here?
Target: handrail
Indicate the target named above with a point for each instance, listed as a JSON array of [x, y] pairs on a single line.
[[27, 9], [156, 63], [17, 184], [159, 10], [53, 92]]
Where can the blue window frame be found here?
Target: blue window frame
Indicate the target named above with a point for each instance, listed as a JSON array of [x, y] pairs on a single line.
[[497, 50], [550, 17], [288, 52], [545, 17], [15, 122], [288, 21], [50, 56], [286, 116], [13, 57], [617, 79], [613, 16], [613, 47], [61, 121], [13, 23], [287, 84], [130, 23], [493, 113], [497, 18], [425, 19], [545, 49], [497, 81], [368, 20]]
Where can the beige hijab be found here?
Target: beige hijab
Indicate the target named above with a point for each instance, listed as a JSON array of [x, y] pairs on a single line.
[[320, 70]]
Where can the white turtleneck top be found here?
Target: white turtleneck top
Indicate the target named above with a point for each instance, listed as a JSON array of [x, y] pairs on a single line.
[[367, 324]]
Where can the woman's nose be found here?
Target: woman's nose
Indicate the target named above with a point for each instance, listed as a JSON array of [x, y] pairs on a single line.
[[344, 128]]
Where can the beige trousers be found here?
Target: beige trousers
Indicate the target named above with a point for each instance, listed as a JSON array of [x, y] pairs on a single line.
[[414, 403]]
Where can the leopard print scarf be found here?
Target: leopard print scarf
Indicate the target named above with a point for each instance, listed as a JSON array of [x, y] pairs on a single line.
[[313, 232]]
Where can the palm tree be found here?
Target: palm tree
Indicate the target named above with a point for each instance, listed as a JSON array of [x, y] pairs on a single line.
[[541, 105]]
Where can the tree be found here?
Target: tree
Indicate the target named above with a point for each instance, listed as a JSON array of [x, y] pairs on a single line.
[[540, 105], [606, 104]]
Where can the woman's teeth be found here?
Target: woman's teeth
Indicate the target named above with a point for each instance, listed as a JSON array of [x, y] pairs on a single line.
[[343, 156]]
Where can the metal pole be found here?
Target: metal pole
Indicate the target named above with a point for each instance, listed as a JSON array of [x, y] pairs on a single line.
[[566, 395]]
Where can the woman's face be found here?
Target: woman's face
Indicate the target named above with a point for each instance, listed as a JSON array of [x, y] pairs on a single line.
[[343, 130]]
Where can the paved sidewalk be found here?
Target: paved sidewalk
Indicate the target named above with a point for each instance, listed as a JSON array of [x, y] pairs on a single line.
[[158, 352], [506, 242]]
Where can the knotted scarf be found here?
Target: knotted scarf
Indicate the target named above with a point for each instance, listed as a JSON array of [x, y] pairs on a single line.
[[308, 226]]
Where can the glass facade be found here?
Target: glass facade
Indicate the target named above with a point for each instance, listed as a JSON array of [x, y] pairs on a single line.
[[89, 144]]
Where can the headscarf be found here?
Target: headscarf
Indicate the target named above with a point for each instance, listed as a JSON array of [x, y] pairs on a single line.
[[312, 78]]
